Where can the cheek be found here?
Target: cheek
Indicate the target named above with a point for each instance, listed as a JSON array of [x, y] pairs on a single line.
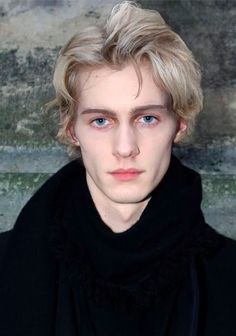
[[93, 151], [90, 138], [161, 141], [168, 134]]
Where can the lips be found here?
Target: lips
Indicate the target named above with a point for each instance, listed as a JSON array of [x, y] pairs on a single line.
[[126, 171], [126, 174]]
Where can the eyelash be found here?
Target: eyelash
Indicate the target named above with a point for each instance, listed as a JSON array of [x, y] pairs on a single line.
[[153, 118], [148, 124], [97, 119]]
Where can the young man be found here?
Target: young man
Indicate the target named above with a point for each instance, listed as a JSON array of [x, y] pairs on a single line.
[[115, 243]]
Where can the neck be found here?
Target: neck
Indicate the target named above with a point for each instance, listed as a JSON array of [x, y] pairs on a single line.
[[119, 217]]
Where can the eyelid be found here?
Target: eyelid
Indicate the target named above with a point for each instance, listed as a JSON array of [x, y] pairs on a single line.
[[97, 116], [151, 123], [155, 116], [148, 113], [111, 120], [93, 120]]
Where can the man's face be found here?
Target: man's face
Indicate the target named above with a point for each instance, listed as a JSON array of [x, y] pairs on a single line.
[[125, 139]]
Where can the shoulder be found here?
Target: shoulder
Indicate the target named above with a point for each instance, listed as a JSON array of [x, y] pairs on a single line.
[[48, 198], [37, 223], [218, 289], [57, 182], [220, 269], [4, 238], [224, 261]]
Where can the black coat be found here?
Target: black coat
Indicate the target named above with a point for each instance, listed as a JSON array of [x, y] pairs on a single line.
[[48, 286]]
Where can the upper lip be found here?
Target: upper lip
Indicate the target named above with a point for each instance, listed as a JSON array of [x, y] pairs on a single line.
[[126, 171]]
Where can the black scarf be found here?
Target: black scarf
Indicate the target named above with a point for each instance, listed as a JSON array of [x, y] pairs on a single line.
[[138, 268], [63, 266]]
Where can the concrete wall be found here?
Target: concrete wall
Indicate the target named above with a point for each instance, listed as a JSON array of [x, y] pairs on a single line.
[[209, 28], [32, 32]]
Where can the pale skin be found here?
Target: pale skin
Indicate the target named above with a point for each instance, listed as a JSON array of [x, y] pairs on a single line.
[[118, 129]]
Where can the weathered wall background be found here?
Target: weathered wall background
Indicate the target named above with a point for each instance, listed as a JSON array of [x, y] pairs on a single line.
[[32, 32]]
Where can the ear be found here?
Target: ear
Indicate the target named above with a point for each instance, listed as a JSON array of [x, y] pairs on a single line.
[[72, 136], [181, 129]]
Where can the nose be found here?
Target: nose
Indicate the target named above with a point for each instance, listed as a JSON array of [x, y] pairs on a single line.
[[125, 142]]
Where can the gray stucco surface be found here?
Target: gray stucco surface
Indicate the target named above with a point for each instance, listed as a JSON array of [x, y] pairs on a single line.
[[31, 34]]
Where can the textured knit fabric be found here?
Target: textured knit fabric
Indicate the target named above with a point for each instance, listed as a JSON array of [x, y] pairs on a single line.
[[64, 272]]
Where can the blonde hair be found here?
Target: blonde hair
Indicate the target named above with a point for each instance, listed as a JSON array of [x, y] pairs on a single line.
[[130, 34]]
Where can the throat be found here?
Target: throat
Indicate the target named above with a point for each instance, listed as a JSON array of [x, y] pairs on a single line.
[[118, 216], [121, 217]]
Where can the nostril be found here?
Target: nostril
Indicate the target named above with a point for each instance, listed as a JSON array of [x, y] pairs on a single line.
[[125, 142], [131, 151]]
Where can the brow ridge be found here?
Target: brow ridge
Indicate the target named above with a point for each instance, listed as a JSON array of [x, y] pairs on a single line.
[[136, 110]]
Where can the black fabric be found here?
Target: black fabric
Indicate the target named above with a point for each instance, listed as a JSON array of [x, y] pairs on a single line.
[[4, 237], [64, 272]]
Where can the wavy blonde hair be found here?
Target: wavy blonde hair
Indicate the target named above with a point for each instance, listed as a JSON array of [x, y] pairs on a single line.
[[130, 34]]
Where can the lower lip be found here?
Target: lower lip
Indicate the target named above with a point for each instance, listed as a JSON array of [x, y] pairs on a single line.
[[126, 176]]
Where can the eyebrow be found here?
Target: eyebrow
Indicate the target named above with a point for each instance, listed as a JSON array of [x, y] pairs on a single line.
[[134, 111]]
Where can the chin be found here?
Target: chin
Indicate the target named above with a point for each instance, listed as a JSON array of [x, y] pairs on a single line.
[[128, 198]]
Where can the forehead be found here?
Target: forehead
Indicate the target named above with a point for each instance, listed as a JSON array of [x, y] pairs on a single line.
[[118, 89]]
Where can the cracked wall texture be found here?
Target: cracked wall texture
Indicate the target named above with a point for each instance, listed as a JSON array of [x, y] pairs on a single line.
[[32, 32]]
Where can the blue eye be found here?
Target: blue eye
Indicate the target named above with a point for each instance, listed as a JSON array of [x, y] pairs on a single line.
[[148, 119], [100, 122]]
